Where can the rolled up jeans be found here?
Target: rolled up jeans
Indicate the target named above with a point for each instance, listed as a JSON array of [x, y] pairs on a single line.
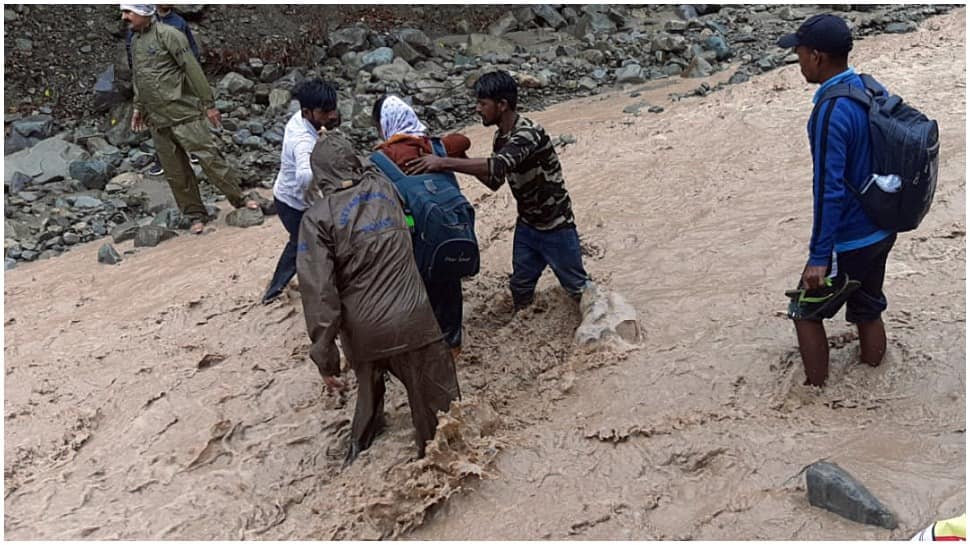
[[286, 266]]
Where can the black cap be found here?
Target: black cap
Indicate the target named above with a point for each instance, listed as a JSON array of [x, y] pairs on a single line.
[[825, 32]]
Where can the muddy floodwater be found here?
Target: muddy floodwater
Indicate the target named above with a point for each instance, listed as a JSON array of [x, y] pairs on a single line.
[[157, 399]]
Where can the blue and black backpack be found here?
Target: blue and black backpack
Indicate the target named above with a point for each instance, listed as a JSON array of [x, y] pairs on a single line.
[[445, 247], [905, 143]]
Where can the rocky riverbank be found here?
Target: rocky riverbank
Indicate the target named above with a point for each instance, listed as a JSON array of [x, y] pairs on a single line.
[[74, 172]]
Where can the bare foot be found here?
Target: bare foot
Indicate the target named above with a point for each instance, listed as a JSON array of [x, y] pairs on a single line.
[[455, 352], [252, 205], [197, 228]]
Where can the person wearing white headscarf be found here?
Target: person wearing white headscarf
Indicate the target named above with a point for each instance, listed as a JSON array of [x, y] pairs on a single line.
[[406, 138]]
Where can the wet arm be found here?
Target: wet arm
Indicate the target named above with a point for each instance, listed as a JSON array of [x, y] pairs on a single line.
[[321, 299]]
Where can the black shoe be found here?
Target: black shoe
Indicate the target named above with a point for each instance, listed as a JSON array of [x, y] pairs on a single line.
[[155, 170]]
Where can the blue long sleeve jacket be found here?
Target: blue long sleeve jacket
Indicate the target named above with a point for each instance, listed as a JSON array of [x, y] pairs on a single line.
[[838, 133]]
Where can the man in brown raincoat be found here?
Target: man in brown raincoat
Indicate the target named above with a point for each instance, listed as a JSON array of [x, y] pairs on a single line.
[[173, 97], [358, 279]]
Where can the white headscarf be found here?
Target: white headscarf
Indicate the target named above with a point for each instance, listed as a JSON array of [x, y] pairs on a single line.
[[398, 118], [145, 10]]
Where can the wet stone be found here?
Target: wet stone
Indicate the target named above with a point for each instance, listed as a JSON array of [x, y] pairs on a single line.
[[245, 217], [831, 487], [108, 255], [153, 235], [125, 231], [9, 263]]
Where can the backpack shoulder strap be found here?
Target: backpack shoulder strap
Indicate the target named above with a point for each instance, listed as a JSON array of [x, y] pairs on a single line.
[[384, 163], [438, 147], [849, 91]]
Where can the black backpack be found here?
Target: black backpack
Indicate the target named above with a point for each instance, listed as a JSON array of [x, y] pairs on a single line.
[[445, 247], [905, 143]]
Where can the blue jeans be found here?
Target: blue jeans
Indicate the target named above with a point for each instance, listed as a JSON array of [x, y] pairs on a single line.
[[286, 266], [533, 249]]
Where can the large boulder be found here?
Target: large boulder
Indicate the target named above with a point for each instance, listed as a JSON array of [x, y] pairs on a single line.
[[398, 71], [480, 44], [607, 318], [47, 161], [546, 15], [831, 487], [348, 39], [108, 91], [234, 83], [93, 173], [377, 57], [593, 23], [245, 217], [153, 235], [631, 73], [418, 40]]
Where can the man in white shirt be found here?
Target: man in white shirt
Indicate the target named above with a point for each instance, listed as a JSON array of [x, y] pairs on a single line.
[[318, 111]]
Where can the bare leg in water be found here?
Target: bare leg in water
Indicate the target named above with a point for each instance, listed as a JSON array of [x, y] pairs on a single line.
[[814, 347], [872, 342]]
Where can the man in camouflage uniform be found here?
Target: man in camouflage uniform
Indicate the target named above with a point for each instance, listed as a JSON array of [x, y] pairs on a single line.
[[173, 97], [523, 155]]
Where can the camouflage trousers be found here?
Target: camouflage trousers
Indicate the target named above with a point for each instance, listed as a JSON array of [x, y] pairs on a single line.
[[174, 144]]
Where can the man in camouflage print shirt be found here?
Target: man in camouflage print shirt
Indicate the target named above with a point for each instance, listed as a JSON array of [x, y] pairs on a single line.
[[523, 155]]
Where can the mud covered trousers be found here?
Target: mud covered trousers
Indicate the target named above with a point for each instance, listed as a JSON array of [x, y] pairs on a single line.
[[428, 375], [174, 144]]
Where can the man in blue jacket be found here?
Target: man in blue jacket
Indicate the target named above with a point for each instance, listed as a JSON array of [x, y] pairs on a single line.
[[845, 244]]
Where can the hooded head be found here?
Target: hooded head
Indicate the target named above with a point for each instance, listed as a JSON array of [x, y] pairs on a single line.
[[393, 116], [335, 166]]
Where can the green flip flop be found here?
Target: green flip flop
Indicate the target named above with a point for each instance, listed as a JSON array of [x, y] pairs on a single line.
[[811, 304]]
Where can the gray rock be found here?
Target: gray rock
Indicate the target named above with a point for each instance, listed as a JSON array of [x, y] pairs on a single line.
[[170, 218], [593, 23], [698, 68], [87, 202], [240, 136], [377, 57], [588, 83], [29, 255], [831, 487], [245, 217], [480, 44], [607, 318], [71, 239], [398, 71], [152, 235], [29, 196], [533, 81], [405, 51], [108, 255], [347, 39], [24, 44], [279, 99], [655, 109], [593, 56], [45, 162], [274, 137], [253, 142], [18, 181], [719, 47], [548, 16], [635, 107], [270, 73], [120, 133], [902, 27], [233, 84], [668, 42], [507, 23], [140, 159], [94, 174], [631, 73], [686, 12], [739, 77], [9, 263], [107, 91], [261, 94], [15, 142], [675, 25], [418, 40], [35, 126], [255, 126]]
